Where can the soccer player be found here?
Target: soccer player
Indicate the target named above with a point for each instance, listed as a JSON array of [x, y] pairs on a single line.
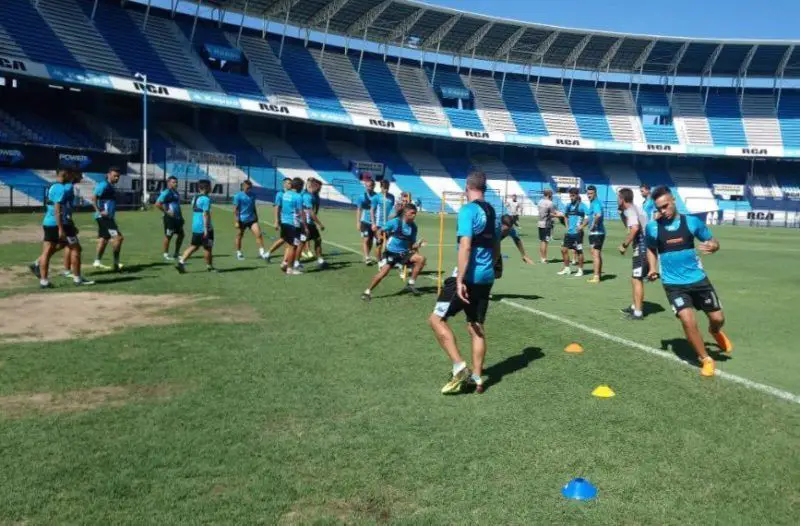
[[245, 217], [400, 249], [286, 186], [202, 228], [364, 219], [597, 232], [104, 201], [671, 242], [545, 224], [636, 222], [514, 209], [311, 211], [381, 211], [59, 231], [478, 239], [575, 214], [72, 178], [293, 227], [507, 229], [648, 206], [169, 202]]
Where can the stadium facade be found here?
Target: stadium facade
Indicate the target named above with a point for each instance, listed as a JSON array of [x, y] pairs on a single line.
[[412, 92]]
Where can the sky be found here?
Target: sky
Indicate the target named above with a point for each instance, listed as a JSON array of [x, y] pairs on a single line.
[[765, 19]]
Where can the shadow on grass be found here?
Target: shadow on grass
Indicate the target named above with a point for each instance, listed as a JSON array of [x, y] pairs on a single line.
[[132, 269], [238, 269], [511, 365], [685, 351], [331, 266], [512, 296], [648, 308], [404, 292], [117, 279], [608, 277]]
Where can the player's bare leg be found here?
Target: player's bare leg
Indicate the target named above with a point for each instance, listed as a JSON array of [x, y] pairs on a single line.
[[447, 341], [418, 261], [692, 331], [382, 273], [566, 270], [478, 336], [716, 320]]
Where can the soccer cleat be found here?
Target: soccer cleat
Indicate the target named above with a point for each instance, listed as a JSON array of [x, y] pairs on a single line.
[[579, 273], [36, 270], [294, 272], [477, 388], [47, 285], [83, 282], [543, 260], [180, 267], [366, 297], [722, 340], [566, 271], [630, 316], [265, 257], [167, 257], [240, 257], [323, 265], [212, 269], [413, 290], [593, 279], [456, 383], [627, 310], [99, 265], [117, 267], [65, 274], [707, 367]]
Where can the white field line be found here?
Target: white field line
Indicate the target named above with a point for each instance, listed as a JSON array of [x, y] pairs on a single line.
[[750, 384]]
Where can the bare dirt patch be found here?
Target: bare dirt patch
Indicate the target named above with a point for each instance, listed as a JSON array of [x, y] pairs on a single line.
[[14, 406], [13, 277], [29, 317], [21, 234]]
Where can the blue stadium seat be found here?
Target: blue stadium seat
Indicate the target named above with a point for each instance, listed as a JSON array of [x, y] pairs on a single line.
[[589, 113], [34, 36], [523, 108], [789, 119], [725, 120], [656, 133], [459, 118], [383, 88], [309, 79]]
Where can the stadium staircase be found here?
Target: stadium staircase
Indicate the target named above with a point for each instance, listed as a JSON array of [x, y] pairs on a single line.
[[80, 37], [35, 38], [346, 83], [623, 119], [420, 96], [693, 189], [521, 104], [589, 114], [760, 120], [489, 104], [308, 78], [654, 132], [690, 119], [558, 117], [725, 120], [379, 81], [267, 72], [789, 120]]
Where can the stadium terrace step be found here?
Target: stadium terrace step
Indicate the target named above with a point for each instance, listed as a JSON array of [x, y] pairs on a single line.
[[760, 120], [690, 118], [346, 83], [489, 104], [379, 80], [589, 114], [556, 112], [420, 96], [274, 81], [725, 120]]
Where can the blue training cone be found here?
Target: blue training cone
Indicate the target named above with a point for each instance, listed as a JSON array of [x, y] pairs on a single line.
[[579, 489], [505, 256]]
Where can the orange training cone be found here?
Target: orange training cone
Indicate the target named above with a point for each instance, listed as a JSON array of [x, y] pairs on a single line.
[[574, 348]]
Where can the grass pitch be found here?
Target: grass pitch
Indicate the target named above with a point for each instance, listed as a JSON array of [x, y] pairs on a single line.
[[292, 402]]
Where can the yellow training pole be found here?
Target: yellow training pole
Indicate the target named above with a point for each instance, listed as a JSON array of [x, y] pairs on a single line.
[[441, 248]]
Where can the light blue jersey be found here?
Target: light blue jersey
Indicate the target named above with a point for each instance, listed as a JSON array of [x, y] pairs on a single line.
[[55, 194], [310, 206], [291, 208], [69, 201], [403, 235], [200, 206], [365, 204], [472, 223], [246, 204], [596, 209], [576, 214], [383, 207], [674, 243], [106, 199], [649, 208], [171, 200]]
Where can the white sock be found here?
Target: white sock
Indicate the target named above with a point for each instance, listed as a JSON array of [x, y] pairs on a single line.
[[457, 367], [166, 255], [76, 278], [44, 282], [266, 253], [261, 250], [320, 261], [97, 262], [239, 253], [477, 379], [296, 264], [367, 292], [637, 313], [181, 260], [411, 282]]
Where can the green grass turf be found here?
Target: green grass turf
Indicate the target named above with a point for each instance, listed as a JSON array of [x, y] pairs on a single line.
[[328, 409]]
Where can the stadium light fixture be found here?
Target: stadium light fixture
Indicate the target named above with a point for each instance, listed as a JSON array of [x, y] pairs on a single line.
[[145, 194]]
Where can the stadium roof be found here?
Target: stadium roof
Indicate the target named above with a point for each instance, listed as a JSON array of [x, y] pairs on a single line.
[[432, 28]]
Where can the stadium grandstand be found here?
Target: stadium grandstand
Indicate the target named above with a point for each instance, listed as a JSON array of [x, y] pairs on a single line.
[[263, 89]]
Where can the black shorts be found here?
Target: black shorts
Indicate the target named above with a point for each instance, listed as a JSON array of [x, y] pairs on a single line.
[[70, 234], [641, 267], [246, 225], [290, 234], [596, 241], [573, 242], [545, 233], [172, 225], [198, 240], [449, 304], [313, 233], [366, 231], [50, 234], [700, 295], [394, 258], [107, 227]]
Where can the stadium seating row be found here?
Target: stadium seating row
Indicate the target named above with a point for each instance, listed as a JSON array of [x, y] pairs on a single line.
[[118, 41]]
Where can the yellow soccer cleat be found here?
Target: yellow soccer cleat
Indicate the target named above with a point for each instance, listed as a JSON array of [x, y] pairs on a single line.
[[593, 279], [722, 340], [456, 383], [707, 367]]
